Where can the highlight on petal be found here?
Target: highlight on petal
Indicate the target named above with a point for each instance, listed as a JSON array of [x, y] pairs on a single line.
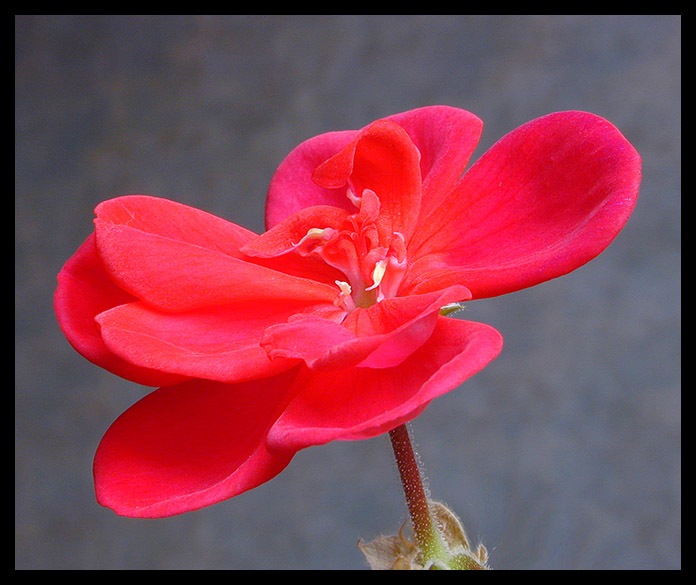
[[191, 445], [544, 200], [84, 290], [360, 403]]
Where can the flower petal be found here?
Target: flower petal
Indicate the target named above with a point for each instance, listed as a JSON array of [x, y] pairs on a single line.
[[544, 200], [446, 138], [176, 221], [176, 269], [85, 290], [401, 325], [360, 403], [292, 187], [383, 159], [192, 445], [381, 336], [214, 343], [288, 233]]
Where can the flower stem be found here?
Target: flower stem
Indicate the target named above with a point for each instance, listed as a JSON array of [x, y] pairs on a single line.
[[424, 526]]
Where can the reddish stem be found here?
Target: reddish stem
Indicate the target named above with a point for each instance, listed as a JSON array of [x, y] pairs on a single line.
[[416, 498]]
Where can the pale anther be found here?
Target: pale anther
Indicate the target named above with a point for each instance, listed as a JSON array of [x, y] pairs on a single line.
[[345, 287], [378, 274], [315, 234], [354, 199]]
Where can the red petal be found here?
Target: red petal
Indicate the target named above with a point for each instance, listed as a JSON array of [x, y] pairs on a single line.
[[215, 343], [381, 158], [360, 403], [292, 188], [544, 200], [380, 336], [85, 290], [184, 447], [285, 235], [400, 325], [312, 339], [175, 221], [446, 138], [175, 269], [271, 248]]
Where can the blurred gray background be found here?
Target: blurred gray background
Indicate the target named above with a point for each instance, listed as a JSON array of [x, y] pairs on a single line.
[[565, 453]]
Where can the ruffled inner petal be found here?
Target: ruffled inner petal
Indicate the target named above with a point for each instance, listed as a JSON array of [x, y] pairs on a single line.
[[382, 158], [289, 234], [381, 336]]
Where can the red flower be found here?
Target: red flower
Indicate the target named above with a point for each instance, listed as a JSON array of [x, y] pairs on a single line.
[[326, 326]]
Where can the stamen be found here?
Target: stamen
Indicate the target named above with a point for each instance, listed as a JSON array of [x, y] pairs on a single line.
[[345, 287], [315, 234], [354, 199], [344, 300], [378, 274]]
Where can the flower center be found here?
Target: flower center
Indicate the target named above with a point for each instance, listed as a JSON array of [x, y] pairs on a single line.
[[373, 264]]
